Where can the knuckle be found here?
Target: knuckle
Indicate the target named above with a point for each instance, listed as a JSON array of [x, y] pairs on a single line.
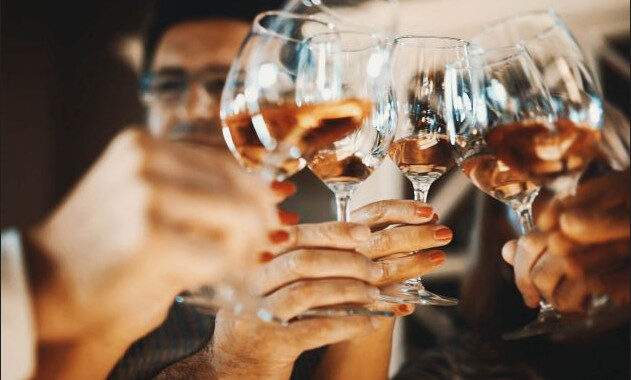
[[378, 210], [537, 275], [296, 294], [382, 239], [575, 268], [298, 261], [304, 290]]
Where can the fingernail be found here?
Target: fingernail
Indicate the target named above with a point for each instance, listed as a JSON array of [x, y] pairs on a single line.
[[288, 218], [376, 272], [374, 293], [403, 309], [285, 188], [278, 236], [266, 256], [436, 257], [360, 233], [443, 233], [424, 211]]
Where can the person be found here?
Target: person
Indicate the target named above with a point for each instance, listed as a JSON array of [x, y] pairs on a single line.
[[242, 357], [580, 249], [148, 220], [188, 49]]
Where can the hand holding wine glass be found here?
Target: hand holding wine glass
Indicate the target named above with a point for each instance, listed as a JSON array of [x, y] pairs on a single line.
[[554, 155], [580, 249], [272, 122], [421, 148]]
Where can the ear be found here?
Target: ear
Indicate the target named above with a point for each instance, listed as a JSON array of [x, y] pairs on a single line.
[[129, 49]]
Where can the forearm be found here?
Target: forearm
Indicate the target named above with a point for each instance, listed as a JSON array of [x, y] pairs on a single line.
[[203, 365], [89, 357], [366, 357]]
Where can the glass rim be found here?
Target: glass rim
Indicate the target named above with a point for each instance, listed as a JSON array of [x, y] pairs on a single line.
[[512, 51], [556, 23], [372, 36], [458, 42], [260, 29]]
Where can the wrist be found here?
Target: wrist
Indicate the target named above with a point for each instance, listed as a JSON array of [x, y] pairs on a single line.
[[51, 297], [67, 359], [227, 366]]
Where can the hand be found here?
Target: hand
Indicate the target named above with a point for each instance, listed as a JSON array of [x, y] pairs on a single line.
[[404, 235], [317, 265], [581, 247], [150, 219]]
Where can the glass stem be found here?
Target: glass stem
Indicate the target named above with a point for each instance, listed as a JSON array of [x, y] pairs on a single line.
[[547, 312], [525, 219], [341, 205], [421, 189]]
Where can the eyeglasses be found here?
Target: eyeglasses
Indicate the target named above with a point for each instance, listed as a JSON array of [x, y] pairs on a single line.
[[170, 86]]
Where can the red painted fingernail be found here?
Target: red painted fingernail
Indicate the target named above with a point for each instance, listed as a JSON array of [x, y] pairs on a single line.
[[443, 233], [278, 236], [404, 309], [436, 257], [288, 218], [424, 211], [284, 188], [266, 256]]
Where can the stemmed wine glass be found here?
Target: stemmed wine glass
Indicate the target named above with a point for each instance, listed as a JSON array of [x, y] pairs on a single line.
[[267, 125], [421, 149], [258, 112], [515, 107], [343, 77], [258, 108], [523, 144], [579, 109], [379, 17], [574, 89]]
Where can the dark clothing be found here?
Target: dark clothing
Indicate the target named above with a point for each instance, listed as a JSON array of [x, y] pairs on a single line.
[[184, 332]]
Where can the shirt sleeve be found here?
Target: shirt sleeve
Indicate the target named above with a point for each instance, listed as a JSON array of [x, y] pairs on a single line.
[[18, 335]]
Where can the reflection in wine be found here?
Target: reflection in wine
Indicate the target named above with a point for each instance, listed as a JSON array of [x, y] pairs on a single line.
[[307, 129]]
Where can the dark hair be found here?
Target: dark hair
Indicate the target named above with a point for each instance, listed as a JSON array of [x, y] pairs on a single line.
[[470, 357], [164, 14]]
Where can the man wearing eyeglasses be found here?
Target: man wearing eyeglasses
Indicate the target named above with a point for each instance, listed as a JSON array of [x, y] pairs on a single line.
[[188, 49]]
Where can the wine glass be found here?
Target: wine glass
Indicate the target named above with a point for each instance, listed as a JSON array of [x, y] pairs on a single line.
[[261, 136], [373, 16], [524, 145], [266, 125], [575, 94], [421, 149], [258, 109], [516, 107], [573, 88], [343, 77]]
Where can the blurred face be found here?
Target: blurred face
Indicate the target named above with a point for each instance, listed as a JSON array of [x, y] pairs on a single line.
[[187, 76]]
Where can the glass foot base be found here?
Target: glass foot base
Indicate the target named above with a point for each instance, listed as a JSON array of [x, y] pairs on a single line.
[[343, 311], [547, 322], [207, 303], [415, 294]]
